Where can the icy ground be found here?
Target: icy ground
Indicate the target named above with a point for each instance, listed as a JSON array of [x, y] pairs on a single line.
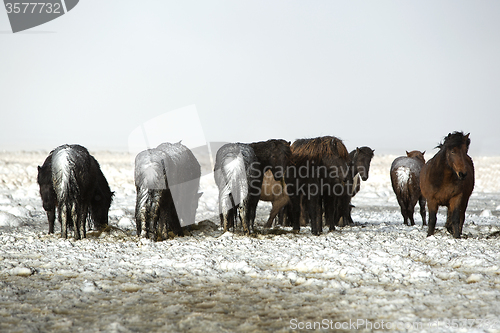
[[378, 270]]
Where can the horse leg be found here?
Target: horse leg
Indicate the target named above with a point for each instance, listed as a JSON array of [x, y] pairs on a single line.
[[253, 201], [225, 207], [51, 215], [303, 217], [282, 216], [455, 220], [343, 206], [411, 212], [402, 206], [455, 204], [274, 211], [463, 208], [405, 215], [76, 221], [294, 212], [421, 203], [139, 213], [152, 227], [329, 212], [448, 225], [245, 215], [319, 217], [63, 219], [82, 212], [433, 208], [278, 206], [312, 208], [348, 212]]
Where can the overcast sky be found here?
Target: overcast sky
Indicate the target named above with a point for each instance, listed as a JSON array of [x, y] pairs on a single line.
[[393, 75]]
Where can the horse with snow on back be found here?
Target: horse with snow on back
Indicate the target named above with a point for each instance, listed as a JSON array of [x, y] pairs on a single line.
[[167, 180], [71, 180], [405, 179]]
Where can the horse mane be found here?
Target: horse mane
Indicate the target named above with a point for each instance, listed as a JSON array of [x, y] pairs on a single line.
[[453, 140], [315, 149], [366, 151]]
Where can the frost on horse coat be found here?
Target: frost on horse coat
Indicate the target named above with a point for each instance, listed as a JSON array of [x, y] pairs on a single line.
[[405, 179], [234, 173], [71, 180], [167, 180], [101, 197]]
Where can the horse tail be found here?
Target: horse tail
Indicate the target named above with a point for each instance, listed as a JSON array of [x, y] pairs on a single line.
[[234, 179], [404, 184], [147, 210], [63, 174]]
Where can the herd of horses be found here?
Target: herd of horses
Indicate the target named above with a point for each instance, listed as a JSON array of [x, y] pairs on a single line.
[[307, 181]]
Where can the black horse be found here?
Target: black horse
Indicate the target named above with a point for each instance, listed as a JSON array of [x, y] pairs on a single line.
[[167, 180], [71, 180], [359, 167], [317, 177]]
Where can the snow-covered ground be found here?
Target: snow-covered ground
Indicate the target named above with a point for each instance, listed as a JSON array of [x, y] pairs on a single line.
[[377, 274]]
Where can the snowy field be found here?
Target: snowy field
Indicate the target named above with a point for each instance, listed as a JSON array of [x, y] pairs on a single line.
[[378, 275]]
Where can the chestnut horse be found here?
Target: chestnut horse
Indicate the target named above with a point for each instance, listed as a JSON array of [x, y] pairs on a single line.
[[405, 179], [275, 192], [447, 179]]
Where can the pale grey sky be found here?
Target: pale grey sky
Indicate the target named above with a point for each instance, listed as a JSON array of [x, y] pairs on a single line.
[[393, 75]]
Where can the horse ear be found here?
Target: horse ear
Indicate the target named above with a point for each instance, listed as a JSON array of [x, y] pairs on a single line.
[[407, 153], [200, 194], [423, 153], [467, 136], [39, 168]]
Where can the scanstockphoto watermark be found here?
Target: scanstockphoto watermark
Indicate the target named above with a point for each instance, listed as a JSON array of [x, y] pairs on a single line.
[[24, 15], [360, 324], [307, 180]]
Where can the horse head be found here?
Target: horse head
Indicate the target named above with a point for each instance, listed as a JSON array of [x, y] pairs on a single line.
[[456, 146], [416, 154], [361, 161]]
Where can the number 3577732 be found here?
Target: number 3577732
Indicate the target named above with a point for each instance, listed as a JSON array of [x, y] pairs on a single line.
[[33, 8]]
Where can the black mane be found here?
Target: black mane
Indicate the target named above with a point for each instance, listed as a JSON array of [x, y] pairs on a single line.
[[454, 139]]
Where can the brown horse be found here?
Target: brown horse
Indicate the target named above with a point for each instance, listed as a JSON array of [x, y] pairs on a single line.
[[405, 179], [447, 179], [275, 192]]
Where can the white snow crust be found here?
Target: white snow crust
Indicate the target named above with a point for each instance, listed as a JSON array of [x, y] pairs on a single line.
[[209, 281]]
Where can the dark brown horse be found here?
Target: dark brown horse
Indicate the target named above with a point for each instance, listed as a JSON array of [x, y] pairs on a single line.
[[405, 179], [447, 179], [319, 169], [359, 167]]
